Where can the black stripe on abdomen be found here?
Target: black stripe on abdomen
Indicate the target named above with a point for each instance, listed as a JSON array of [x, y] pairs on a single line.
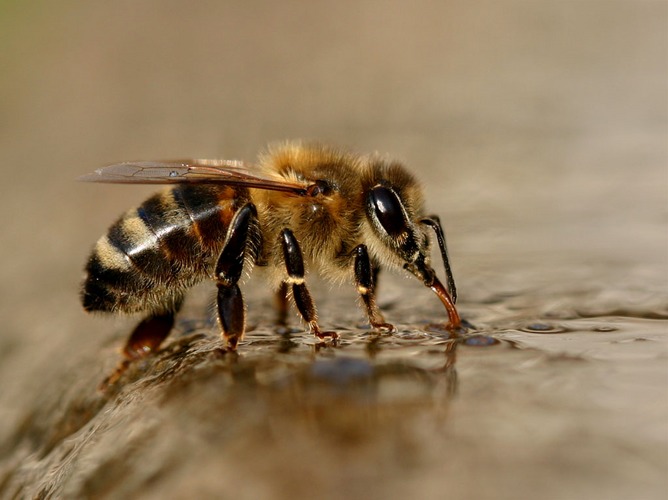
[[207, 210], [173, 229]]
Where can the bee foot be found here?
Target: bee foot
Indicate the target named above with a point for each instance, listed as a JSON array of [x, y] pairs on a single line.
[[384, 327], [323, 335], [231, 345]]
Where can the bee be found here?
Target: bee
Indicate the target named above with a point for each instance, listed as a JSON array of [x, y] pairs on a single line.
[[303, 207]]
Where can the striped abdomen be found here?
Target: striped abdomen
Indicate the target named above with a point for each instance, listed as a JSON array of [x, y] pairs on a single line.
[[153, 253]]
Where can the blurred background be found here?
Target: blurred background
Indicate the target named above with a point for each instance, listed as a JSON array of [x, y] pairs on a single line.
[[539, 129]]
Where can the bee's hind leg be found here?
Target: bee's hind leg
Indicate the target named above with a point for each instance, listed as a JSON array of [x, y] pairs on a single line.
[[149, 334], [231, 310], [294, 263], [145, 339], [365, 280]]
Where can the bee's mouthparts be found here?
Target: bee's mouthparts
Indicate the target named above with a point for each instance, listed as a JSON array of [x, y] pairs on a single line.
[[427, 275], [443, 294]]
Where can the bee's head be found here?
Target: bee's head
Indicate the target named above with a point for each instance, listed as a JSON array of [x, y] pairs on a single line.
[[399, 231], [393, 202]]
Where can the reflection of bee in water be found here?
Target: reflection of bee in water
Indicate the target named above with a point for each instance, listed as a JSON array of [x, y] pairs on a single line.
[[303, 207]]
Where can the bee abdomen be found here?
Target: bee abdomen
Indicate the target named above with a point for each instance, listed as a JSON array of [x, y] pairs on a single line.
[[153, 253]]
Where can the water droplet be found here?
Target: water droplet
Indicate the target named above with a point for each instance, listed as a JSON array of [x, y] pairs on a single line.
[[480, 341], [543, 328], [604, 329]]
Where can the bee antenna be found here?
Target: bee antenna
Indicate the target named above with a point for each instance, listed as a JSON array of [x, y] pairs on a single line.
[[435, 223]]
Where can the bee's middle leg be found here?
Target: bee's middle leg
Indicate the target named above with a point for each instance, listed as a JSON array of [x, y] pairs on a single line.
[[365, 280], [294, 263], [231, 310]]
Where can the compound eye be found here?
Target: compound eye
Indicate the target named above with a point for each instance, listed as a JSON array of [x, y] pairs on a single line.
[[388, 210]]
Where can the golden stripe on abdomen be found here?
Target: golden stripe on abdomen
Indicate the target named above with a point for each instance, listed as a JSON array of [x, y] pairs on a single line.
[[133, 237]]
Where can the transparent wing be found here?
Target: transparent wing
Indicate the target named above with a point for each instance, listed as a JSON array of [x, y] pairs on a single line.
[[226, 172]]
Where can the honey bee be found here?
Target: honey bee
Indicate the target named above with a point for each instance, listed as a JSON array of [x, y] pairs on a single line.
[[304, 206]]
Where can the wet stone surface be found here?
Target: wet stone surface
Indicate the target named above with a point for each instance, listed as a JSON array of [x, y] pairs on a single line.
[[381, 405]]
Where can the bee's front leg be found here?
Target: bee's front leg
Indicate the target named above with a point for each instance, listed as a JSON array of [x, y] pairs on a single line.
[[294, 263], [365, 280], [231, 310]]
